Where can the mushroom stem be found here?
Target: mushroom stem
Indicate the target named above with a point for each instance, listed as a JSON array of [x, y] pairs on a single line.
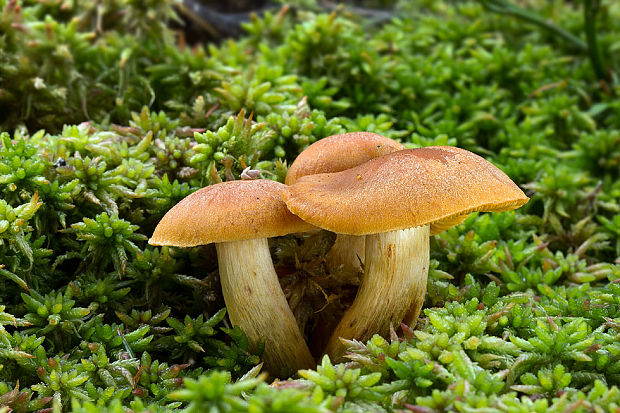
[[256, 303], [347, 254], [393, 285]]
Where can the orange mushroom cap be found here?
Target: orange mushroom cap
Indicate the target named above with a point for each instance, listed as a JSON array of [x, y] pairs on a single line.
[[228, 211], [404, 189], [339, 152]]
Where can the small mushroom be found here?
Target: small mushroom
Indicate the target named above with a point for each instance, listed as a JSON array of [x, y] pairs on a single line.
[[334, 154], [239, 216], [398, 200]]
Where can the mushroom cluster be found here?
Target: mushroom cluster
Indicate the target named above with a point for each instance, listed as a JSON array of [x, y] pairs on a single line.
[[382, 200], [397, 201]]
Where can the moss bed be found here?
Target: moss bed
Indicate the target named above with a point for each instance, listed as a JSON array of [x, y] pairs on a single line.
[[109, 117]]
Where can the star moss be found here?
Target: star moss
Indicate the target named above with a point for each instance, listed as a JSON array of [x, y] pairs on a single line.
[[108, 118]]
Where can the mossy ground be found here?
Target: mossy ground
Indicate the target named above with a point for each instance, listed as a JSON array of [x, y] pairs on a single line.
[[109, 119]]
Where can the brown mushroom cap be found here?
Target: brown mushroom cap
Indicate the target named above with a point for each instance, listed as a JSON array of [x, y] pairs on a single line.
[[403, 189], [339, 152], [228, 211]]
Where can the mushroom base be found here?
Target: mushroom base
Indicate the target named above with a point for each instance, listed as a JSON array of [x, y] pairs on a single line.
[[393, 286], [317, 296], [256, 303]]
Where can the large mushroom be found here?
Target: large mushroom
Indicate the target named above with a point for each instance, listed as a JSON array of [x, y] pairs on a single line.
[[334, 154], [239, 216], [397, 201]]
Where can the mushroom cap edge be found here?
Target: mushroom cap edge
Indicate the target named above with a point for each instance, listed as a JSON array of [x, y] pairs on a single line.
[[404, 189], [228, 211]]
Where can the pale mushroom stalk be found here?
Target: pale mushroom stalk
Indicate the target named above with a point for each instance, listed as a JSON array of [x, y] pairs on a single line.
[[347, 253], [410, 259], [435, 228], [256, 303], [393, 285]]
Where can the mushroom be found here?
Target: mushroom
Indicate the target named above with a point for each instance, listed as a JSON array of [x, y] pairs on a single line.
[[239, 216], [334, 154], [397, 201]]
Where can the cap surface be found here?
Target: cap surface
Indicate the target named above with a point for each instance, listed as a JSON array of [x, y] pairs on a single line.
[[228, 211], [339, 152], [403, 189]]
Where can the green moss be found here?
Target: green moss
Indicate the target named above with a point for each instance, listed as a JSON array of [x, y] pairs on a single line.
[[107, 120]]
